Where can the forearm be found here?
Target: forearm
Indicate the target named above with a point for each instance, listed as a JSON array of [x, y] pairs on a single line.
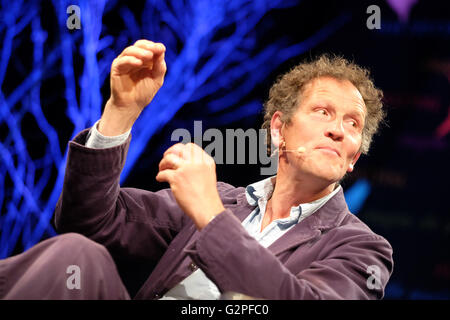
[[236, 262], [91, 184], [129, 222]]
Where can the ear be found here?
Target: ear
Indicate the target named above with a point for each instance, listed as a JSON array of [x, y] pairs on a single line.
[[275, 128], [352, 164]]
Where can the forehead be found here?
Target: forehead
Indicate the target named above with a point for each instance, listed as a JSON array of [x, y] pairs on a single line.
[[340, 94]]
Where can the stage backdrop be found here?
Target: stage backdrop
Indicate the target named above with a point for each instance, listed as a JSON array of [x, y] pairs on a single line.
[[222, 58]]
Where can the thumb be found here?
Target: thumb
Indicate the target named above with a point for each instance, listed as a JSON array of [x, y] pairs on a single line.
[[166, 175], [159, 66]]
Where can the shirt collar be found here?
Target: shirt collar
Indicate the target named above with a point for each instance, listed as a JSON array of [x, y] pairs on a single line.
[[261, 191]]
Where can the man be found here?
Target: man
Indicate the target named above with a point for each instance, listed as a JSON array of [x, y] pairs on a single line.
[[286, 237]]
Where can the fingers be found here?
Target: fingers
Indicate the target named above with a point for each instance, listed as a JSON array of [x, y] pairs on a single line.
[[179, 154], [176, 149], [156, 48], [189, 152], [143, 54], [159, 66], [127, 63], [145, 50], [170, 161], [183, 158], [165, 176]]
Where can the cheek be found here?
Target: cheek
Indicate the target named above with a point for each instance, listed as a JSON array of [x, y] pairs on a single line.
[[298, 137], [352, 147], [308, 133]]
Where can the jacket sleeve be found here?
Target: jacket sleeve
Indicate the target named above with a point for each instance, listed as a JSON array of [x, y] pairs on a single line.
[[131, 223], [236, 262]]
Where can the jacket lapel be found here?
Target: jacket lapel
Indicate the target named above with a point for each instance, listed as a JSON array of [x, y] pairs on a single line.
[[328, 216], [237, 202]]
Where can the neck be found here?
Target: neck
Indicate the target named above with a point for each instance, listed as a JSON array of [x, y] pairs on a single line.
[[290, 192]]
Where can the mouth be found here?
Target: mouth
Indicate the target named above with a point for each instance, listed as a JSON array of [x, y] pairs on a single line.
[[329, 150]]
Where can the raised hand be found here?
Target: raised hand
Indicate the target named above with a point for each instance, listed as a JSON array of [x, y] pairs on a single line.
[[136, 76]]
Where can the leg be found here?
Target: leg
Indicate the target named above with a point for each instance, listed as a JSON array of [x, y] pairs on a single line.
[[68, 266]]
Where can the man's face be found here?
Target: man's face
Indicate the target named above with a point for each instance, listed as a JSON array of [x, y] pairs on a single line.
[[328, 123]]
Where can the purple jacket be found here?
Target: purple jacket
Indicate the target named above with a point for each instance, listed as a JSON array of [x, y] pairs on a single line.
[[329, 255]]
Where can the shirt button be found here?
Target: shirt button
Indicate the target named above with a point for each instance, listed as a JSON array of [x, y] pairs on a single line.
[[193, 266], [156, 296]]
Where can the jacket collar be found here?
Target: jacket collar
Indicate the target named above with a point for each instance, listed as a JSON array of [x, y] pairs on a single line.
[[330, 215]]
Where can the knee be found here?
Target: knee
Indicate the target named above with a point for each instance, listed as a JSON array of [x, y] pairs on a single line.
[[77, 241], [76, 246], [54, 268]]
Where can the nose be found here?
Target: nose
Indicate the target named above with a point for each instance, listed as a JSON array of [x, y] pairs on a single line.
[[335, 130]]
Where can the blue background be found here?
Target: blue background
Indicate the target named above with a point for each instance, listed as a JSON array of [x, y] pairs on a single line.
[[222, 58]]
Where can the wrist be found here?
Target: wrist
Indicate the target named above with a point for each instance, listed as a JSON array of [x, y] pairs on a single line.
[[116, 120], [209, 215]]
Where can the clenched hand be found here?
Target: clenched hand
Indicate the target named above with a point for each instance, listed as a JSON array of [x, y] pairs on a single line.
[[191, 173], [136, 76]]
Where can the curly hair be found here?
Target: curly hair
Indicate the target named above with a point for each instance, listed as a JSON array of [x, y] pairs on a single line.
[[286, 94]]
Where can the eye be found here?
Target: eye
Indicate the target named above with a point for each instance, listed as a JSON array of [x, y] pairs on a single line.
[[323, 112]]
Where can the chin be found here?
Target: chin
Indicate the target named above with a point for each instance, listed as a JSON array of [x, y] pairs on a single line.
[[330, 179], [328, 172], [324, 174], [321, 169]]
